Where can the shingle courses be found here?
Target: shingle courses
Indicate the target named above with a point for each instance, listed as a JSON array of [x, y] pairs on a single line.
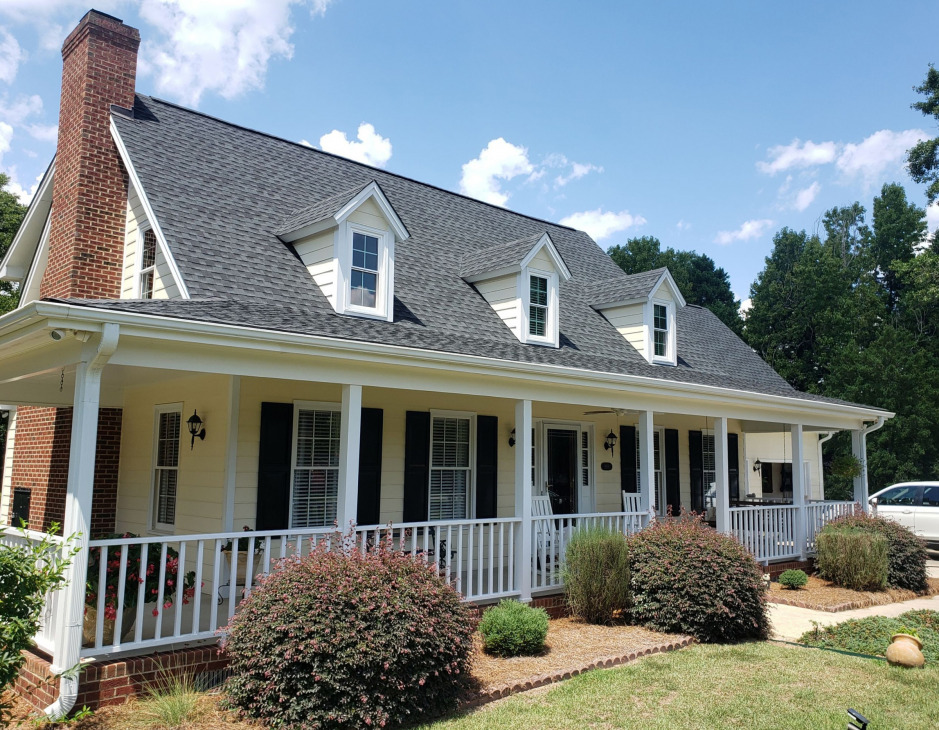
[[221, 193]]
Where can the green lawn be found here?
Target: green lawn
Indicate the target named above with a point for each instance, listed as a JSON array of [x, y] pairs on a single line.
[[751, 686]]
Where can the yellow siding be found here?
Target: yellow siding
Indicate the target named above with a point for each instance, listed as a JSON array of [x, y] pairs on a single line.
[[542, 261], [6, 478], [629, 322], [777, 447], [164, 284], [201, 470], [502, 295], [318, 255], [369, 214]]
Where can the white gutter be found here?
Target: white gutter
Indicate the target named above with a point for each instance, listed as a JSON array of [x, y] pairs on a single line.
[[68, 634], [68, 316]]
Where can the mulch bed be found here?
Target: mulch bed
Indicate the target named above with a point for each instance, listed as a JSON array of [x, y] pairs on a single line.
[[821, 595], [572, 647]]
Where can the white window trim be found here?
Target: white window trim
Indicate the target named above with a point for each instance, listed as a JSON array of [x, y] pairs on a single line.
[[384, 296], [471, 487], [671, 345], [660, 489], [304, 405], [155, 527], [551, 338], [139, 269]]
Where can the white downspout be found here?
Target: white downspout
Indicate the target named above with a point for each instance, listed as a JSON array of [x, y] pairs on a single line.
[[68, 634], [862, 438]]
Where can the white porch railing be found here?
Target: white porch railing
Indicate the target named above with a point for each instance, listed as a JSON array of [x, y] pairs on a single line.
[[819, 514], [767, 532], [550, 535], [12, 537]]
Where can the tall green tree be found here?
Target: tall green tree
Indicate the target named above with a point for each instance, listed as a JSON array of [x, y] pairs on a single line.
[[11, 216], [923, 158], [698, 278], [899, 227]]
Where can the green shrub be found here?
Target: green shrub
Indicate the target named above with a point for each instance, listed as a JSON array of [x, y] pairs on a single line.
[[596, 574], [871, 635], [906, 553], [688, 578], [514, 629], [793, 579], [341, 639], [28, 571], [853, 558]]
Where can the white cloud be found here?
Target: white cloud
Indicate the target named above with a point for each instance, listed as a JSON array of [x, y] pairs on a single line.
[[745, 307], [932, 217], [6, 134], [803, 198], [220, 46], [307, 143], [798, 154], [880, 152], [25, 195], [11, 55], [749, 230], [44, 132], [600, 225], [372, 148], [682, 225], [500, 160], [18, 111]]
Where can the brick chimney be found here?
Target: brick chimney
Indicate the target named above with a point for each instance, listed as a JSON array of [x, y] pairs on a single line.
[[89, 194]]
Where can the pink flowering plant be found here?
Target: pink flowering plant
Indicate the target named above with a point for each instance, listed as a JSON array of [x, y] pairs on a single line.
[[173, 581]]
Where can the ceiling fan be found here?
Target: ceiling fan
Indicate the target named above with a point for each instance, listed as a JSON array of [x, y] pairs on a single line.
[[617, 411]]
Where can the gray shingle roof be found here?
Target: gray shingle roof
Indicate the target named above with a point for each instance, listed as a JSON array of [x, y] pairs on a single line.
[[493, 258], [221, 192], [625, 287], [317, 211]]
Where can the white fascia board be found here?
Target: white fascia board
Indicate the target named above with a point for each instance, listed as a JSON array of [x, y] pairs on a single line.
[[546, 243], [374, 192], [676, 294], [309, 230], [52, 315], [494, 274], [618, 303], [148, 209], [16, 264]]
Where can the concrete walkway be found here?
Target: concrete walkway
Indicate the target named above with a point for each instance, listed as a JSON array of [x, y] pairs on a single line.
[[790, 622]]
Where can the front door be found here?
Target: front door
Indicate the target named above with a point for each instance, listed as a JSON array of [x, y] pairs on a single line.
[[561, 476]]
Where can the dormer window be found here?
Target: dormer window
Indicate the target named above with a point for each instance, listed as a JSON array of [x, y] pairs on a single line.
[[660, 329], [364, 280], [147, 264], [538, 308]]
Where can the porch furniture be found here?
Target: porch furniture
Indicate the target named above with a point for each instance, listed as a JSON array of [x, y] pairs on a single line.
[[632, 506]]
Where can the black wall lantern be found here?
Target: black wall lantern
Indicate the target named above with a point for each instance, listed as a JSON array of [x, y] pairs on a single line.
[[196, 429], [512, 438], [757, 465], [610, 442]]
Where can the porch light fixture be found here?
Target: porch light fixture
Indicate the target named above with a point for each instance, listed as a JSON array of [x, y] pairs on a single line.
[[196, 429], [757, 465], [610, 442], [512, 438]]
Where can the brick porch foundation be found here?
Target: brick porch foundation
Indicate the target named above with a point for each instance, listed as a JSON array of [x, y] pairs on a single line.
[[777, 569], [111, 682]]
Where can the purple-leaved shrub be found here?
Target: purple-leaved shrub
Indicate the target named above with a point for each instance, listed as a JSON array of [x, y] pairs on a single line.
[[688, 578], [338, 639]]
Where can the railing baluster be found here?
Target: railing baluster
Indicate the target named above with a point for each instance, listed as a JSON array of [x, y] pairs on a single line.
[[492, 550], [141, 595], [102, 594], [161, 574], [216, 588], [180, 589], [249, 567], [233, 578], [197, 596]]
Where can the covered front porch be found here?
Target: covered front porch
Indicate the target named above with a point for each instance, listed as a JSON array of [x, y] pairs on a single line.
[[481, 470]]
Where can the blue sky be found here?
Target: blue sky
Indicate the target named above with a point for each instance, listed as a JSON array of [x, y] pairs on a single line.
[[708, 125]]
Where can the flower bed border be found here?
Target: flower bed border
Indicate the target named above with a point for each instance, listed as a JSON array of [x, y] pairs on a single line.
[[846, 606], [498, 692]]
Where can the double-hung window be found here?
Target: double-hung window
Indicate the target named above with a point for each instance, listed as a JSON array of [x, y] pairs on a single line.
[[658, 472], [451, 447], [316, 466], [660, 334], [147, 263], [166, 466], [538, 306], [710, 468], [364, 274]]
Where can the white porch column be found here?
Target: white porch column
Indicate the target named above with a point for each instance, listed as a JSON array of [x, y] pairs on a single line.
[[351, 418], [859, 449], [798, 488], [721, 476], [523, 488], [646, 462], [78, 496]]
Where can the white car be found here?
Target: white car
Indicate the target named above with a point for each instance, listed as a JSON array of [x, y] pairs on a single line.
[[914, 505]]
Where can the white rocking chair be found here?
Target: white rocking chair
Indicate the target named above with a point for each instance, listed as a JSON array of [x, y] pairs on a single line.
[[632, 502]]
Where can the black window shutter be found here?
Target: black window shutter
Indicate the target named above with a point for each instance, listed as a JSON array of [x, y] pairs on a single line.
[[370, 438], [627, 459], [733, 468], [275, 446], [416, 465], [696, 463], [487, 466], [672, 483]]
